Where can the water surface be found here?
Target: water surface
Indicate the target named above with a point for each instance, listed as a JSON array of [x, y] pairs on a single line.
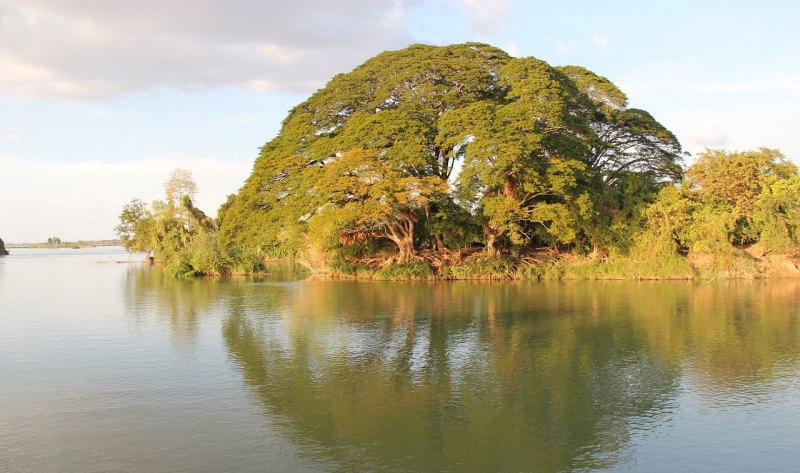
[[109, 366]]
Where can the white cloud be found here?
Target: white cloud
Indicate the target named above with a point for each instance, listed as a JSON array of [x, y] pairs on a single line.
[[600, 42], [565, 48], [708, 138], [104, 48], [488, 17], [655, 83], [11, 133], [83, 200]]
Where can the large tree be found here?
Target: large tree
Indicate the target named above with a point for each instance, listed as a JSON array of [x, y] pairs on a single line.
[[522, 150], [391, 106], [536, 145]]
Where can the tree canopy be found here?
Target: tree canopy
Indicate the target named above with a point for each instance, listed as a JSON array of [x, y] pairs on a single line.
[[524, 151]]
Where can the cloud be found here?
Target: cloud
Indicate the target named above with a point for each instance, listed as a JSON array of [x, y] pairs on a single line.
[[653, 79], [565, 48], [708, 138], [489, 18], [90, 49], [83, 200], [11, 133], [600, 42]]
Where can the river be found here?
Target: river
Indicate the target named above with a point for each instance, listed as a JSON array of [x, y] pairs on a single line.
[[108, 365]]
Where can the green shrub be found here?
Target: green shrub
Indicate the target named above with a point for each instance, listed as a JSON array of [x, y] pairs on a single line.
[[245, 259], [205, 256], [178, 264], [656, 256]]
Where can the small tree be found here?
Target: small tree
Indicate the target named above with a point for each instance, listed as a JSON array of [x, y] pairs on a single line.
[[729, 184], [179, 184], [136, 229]]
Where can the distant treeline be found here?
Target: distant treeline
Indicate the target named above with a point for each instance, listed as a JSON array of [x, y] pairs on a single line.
[[56, 242]]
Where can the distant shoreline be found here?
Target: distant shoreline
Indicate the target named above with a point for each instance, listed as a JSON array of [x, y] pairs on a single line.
[[66, 244]]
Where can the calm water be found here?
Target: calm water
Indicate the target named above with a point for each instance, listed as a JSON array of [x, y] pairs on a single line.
[[109, 367]]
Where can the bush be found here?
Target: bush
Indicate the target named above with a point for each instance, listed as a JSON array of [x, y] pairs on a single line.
[[178, 265], [205, 256], [245, 260], [656, 256]]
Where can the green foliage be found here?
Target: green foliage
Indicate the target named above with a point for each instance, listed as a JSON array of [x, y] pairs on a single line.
[[245, 260], [742, 197], [654, 256], [712, 230], [223, 209], [456, 226], [671, 215], [736, 178], [651, 257], [178, 264], [181, 236], [205, 256], [538, 147], [777, 214], [403, 272], [548, 156], [137, 227]]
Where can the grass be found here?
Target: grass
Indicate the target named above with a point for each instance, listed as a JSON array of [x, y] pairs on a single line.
[[405, 272], [482, 268]]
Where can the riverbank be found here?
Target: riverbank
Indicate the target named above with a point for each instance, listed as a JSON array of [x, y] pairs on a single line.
[[752, 263]]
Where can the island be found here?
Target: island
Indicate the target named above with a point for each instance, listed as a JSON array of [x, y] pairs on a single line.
[[463, 162]]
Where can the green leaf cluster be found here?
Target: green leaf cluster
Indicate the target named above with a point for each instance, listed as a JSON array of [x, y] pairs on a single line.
[[730, 200]]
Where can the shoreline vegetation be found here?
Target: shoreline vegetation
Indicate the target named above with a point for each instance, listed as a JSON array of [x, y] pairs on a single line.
[[461, 162]]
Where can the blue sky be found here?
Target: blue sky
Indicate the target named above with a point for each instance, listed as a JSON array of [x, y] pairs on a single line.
[[101, 99]]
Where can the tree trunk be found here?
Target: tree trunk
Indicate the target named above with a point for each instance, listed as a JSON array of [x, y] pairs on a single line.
[[407, 251], [491, 247], [402, 235], [492, 234], [438, 243]]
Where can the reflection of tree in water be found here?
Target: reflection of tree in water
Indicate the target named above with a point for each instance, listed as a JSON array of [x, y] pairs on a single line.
[[454, 376], [734, 333], [182, 303], [153, 295]]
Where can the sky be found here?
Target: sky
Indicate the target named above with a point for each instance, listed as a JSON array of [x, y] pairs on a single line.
[[101, 99]]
